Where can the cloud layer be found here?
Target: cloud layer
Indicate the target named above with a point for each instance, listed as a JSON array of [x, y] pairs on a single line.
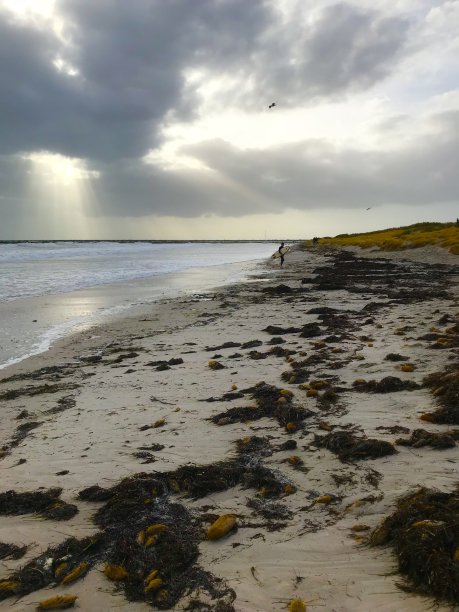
[[107, 83]]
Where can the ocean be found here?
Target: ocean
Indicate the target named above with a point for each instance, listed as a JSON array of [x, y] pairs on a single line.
[[52, 289]]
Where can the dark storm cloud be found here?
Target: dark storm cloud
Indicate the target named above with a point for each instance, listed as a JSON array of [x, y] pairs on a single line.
[[132, 56], [345, 48]]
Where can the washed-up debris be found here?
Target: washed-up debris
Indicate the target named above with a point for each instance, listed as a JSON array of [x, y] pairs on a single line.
[[251, 344], [269, 509], [11, 551], [58, 602], [153, 540], [254, 445], [43, 570], [389, 384], [46, 503], [271, 402], [226, 397], [395, 357], [424, 532], [221, 527], [421, 437], [36, 390], [225, 345], [445, 388], [215, 365], [310, 330], [163, 364], [348, 446], [276, 330], [278, 290]]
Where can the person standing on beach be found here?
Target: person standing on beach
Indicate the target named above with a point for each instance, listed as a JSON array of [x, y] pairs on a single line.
[[281, 254]]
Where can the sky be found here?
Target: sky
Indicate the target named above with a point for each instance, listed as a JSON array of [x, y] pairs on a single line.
[[151, 119]]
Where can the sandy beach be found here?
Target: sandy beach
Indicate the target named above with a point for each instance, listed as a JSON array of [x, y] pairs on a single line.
[[179, 384]]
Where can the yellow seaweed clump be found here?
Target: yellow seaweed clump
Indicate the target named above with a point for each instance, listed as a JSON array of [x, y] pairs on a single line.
[[59, 602], [154, 585], [312, 393], [151, 576], [215, 365], [296, 605], [291, 427], [155, 529], [151, 540], [60, 569], [324, 499], [115, 572], [78, 572], [159, 423], [289, 489], [407, 367], [223, 525], [9, 585], [456, 555]]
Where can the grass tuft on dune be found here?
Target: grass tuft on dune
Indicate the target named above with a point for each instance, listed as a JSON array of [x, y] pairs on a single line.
[[445, 235]]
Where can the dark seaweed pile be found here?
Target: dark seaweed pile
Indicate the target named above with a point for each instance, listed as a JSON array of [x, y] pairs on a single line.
[[424, 532]]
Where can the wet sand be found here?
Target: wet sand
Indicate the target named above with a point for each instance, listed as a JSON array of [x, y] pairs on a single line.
[[87, 411]]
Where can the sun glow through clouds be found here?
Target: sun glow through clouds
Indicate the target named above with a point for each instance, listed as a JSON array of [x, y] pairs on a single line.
[[64, 187]]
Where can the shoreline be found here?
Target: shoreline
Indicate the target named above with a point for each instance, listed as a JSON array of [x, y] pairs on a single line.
[[92, 426], [93, 307]]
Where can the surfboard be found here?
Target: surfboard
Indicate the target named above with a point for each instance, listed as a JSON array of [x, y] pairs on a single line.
[[278, 253]]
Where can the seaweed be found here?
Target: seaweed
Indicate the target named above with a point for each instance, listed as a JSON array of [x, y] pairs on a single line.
[[41, 571], [12, 551], [271, 402], [388, 384], [421, 437], [269, 509], [351, 447], [424, 533], [46, 503], [276, 330], [395, 357], [37, 390], [445, 387]]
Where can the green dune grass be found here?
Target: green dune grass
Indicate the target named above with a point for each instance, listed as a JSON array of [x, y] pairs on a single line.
[[445, 235]]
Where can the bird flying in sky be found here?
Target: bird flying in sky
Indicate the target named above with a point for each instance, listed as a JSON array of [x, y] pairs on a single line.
[[272, 105]]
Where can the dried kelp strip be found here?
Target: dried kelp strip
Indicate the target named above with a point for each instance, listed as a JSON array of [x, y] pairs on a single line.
[[445, 387], [421, 437], [351, 447], [45, 503], [424, 532], [388, 384]]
